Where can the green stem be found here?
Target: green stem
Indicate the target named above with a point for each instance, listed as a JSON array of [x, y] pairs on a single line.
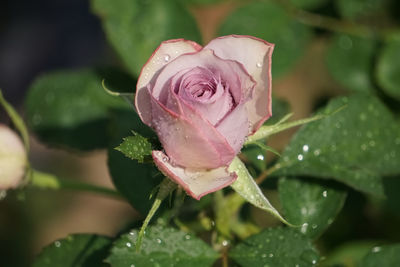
[[49, 181], [166, 187], [333, 24]]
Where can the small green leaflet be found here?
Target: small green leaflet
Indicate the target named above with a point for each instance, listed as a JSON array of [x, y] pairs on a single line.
[[135, 147], [249, 190]]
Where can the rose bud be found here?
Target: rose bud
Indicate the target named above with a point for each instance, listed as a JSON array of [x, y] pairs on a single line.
[[12, 158], [203, 102]]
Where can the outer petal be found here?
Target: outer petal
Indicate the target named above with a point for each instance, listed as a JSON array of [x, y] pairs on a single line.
[[12, 159], [165, 53], [235, 127], [255, 54], [184, 143], [196, 183], [219, 141]]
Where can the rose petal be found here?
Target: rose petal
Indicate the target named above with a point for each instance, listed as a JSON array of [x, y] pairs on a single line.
[[196, 183], [240, 82], [176, 134], [255, 54], [12, 158], [213, 109], [234, 127], [164, 54], [219, 141]]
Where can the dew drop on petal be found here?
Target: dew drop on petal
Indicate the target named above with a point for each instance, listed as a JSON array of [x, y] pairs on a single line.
[[259, 64], [305, 148], [300, 157], [167, 58]]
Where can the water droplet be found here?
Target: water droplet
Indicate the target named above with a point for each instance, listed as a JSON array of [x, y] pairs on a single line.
[[305, 148], [225, 243], [270, 255], [303, 211], [164, 159], [259, 65], [132, 265], [132, 233], [128, 244], [372, 143], [376, 249], [325, 193], [314, 261], [297, 265], [317, 152], [57, 244], [3, 194], [300, 157], [166, 58], [263, 255], [159, 241], [364, 147], [303, 228], [260, 157], [187, 237]]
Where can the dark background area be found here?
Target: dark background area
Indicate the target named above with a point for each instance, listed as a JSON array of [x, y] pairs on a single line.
[[43, 35]]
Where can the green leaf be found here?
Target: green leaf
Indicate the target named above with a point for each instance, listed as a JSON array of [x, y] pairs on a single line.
[[70, 108], [312, 204], [135, 147], [349, 60], [161, 246], [356, 146], [308, 4], [80, 250], [269, 21], [388, 69], [348, 254], [266, 131], [358, 9], [275, 247], [16, 119], [201, 2], [134, 180], [383, 256], [249, 190], [136, 28]]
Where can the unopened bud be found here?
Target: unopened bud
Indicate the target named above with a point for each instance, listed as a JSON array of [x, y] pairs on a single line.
[[13, 159]]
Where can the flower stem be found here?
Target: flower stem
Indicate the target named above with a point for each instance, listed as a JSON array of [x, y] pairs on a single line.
[[166, 187], [334, 24], [49, 181]]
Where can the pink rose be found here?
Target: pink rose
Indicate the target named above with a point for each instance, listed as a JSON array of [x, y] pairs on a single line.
[[203, 102], [12, 159]]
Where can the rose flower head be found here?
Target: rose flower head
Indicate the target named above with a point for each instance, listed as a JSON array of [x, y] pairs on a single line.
[[12, 159], [203, 102]]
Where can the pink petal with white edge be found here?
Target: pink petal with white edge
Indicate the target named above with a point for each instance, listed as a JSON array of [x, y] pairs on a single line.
[[219, 141], [196, 183], [184, 143], [165, 53], [255, 55], [234, 127]]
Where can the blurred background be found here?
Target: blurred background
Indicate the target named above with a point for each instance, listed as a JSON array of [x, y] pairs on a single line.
[[44, 35]]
